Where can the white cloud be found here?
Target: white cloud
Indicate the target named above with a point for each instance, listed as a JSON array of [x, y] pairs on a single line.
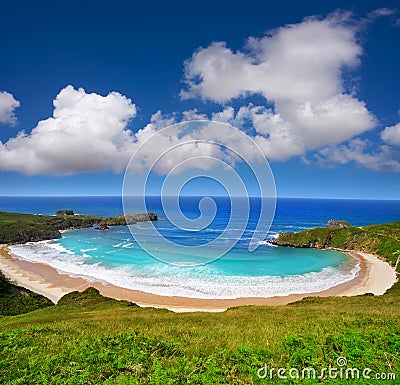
[[86, 133], [358, 151], [332, 120], [176, 144], [277, 138], [381, 12], [300, 128], [298, 69], [7, 106], [298, 62], [391, 135], [193, 115]]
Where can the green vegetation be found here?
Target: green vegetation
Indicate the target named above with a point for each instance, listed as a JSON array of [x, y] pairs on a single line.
[[90, 339], [383, 240], [343, 223], [21, 228], [338, 224], [17, 300]]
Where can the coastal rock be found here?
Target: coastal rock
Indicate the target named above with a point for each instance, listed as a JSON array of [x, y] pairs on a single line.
[[131, 219], [102, 227], [337, 224], [64, 212], [21, 228]]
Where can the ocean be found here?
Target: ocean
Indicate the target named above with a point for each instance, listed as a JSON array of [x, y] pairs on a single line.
[[115, 257]]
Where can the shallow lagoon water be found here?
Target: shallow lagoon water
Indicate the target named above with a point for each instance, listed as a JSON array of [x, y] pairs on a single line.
[[113, 256]]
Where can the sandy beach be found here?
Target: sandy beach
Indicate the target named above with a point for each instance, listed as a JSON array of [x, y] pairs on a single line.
[[375, 276]]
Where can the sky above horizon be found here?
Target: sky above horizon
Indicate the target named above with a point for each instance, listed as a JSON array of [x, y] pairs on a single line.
[[314, 84]]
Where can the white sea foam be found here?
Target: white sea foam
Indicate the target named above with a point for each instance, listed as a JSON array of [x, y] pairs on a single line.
[[55, 246], [193, 282], [267, 243], [127, 245]]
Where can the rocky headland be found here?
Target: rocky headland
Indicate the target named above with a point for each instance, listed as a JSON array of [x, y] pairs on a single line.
[[22, 228]]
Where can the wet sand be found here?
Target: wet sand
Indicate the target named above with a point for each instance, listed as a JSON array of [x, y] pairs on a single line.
[[375, 276]]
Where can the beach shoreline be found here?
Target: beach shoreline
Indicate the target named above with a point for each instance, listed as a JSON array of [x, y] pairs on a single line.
[[375, 276]]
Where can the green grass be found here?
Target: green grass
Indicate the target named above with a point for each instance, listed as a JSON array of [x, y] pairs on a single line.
[[383, 240], [90, 339], [17, 300], [21, 228]]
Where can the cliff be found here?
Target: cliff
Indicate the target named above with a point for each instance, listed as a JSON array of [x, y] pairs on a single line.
[[18, 300], [21, 228], [383, 239]]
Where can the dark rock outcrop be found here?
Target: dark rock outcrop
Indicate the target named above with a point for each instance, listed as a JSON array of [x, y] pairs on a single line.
[[131, 219], [65, 212], [337, 224], [102, 227]]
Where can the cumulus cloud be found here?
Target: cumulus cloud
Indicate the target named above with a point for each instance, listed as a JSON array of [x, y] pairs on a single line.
[[86, 133], [8, 104], [295, 131], [391, 135], [358, 151], [298, 70], [278, 136], [298, 62], [178, 144]]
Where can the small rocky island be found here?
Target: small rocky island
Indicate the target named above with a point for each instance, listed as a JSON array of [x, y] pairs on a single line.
[[128, 219], [337, 224], [131, 219], [102, 227], [65, 212]]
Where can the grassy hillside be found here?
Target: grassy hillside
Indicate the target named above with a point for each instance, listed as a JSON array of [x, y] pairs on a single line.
[[21, 228], [17, 300], [89, 339], [383, 240]]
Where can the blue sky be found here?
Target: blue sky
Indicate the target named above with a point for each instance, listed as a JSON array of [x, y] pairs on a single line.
[[316, 83]]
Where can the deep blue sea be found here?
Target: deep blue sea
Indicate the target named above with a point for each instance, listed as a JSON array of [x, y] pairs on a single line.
[[115, 257]]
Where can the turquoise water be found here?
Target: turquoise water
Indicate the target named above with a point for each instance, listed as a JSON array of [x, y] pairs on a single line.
[[113, 256]]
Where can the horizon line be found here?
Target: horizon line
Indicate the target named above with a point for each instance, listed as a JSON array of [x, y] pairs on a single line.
[[193, 196]]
